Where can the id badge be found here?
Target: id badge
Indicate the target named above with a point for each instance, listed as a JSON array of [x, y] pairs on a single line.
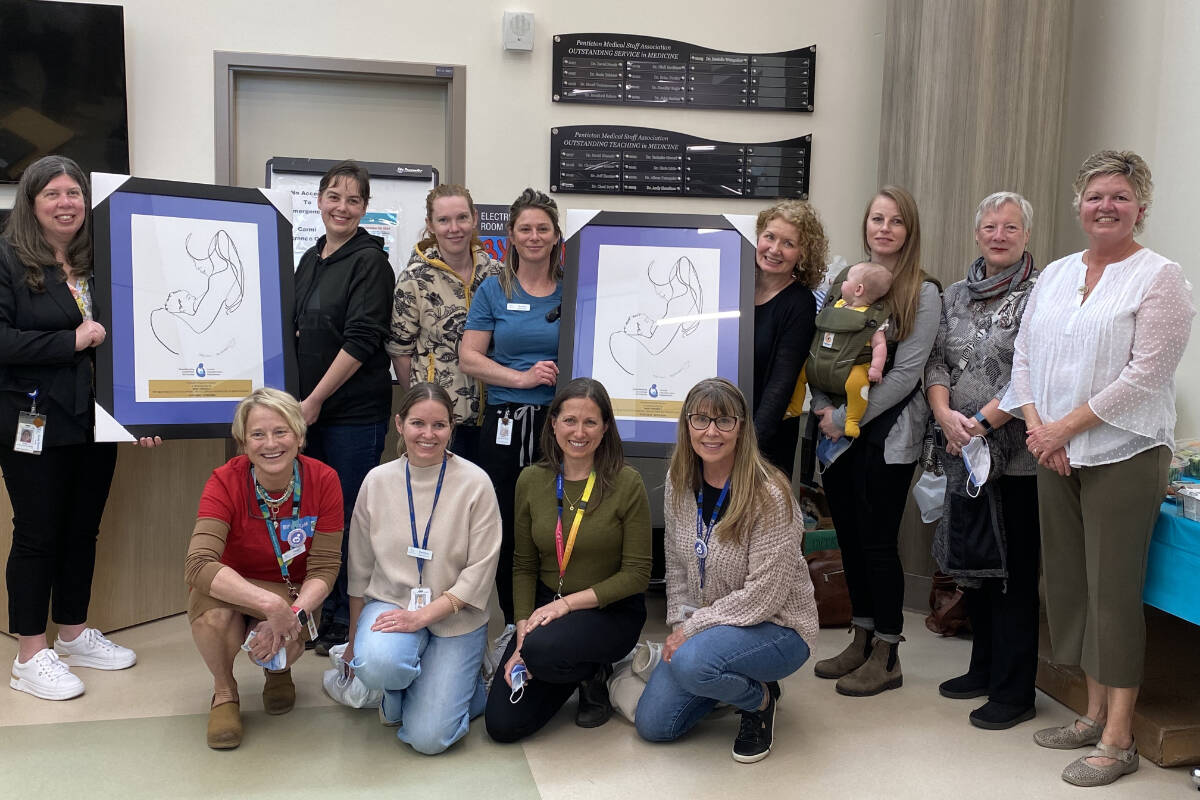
[[296, 535], [312, 627], [504, 431], [31, 428], [417, 552], [518, 306], [421, 596]]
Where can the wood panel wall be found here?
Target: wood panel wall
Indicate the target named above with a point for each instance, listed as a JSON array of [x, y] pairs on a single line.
[[144, 534]]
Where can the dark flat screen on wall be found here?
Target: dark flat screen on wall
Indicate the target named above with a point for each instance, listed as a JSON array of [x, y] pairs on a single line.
[[62, 86]]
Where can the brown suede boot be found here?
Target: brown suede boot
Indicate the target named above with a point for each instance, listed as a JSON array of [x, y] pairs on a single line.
[[850, 659], [225, 725], [279, 693], [880, 672]]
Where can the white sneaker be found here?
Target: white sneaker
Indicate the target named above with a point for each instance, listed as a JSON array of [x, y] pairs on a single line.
[[92, 649], [46, 677]]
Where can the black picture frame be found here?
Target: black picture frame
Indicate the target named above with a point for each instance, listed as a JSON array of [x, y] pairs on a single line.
[[206, 408], [653, 434]]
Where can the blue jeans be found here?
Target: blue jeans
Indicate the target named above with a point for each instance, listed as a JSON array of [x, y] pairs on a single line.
[[431, 684], [725, 664], [352, 451]]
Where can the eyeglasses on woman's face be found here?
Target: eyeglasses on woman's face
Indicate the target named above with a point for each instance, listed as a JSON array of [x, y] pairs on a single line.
[[700, 422]]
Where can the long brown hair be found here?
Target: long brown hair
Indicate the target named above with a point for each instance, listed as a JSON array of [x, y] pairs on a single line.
[[530, 198], [609, 458], [907, 276], [752, 475], [448, 190], [24, 232]]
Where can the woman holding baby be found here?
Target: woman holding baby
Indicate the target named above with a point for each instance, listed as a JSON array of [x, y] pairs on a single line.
[[867, 486]]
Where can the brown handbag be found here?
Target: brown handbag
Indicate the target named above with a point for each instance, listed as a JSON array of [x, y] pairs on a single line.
[[829, 587], [948, 607]]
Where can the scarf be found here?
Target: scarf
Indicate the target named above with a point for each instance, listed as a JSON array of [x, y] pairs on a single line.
[[985, 288]]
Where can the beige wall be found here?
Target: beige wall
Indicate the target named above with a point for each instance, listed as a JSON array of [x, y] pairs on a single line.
[[509, 112], [1132, 84]]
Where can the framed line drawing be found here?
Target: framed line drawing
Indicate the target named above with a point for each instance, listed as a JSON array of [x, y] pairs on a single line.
[[652, 304], [195, 283]]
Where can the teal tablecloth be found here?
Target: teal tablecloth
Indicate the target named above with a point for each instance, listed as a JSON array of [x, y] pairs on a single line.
[[1173, 565]]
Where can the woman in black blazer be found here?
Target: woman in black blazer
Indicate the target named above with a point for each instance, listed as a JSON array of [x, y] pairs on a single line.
[[57, 477]]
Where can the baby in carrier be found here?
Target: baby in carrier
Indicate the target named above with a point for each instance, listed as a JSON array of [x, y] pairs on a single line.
[[849, 349]]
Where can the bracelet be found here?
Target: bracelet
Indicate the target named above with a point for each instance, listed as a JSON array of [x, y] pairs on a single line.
[[982, 420], [454, 603], [568, 605]]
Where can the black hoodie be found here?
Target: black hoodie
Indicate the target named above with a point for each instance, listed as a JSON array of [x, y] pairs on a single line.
[[344, 302]]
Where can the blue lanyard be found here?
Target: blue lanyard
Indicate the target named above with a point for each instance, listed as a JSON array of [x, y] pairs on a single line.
[[412, 514], [273, 524], [703, 532]]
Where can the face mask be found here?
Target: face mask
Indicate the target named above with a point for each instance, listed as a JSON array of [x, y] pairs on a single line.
[[518, 675], [978, 458], [276, 662]]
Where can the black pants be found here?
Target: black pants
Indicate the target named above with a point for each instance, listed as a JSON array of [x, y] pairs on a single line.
[[559, 656], [1004, 614], [465, 442], [780, 449], [58, 498], [503, 463], [867, 498]]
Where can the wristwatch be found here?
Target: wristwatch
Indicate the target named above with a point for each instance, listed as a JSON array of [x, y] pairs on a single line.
[[982, 420]]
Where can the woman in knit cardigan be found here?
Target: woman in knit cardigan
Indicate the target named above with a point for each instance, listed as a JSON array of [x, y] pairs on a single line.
[[739, 598]]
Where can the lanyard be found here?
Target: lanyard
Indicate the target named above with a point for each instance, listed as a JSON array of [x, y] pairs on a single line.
[[564, 555], [272, 521], [412, 514], [703, 532]]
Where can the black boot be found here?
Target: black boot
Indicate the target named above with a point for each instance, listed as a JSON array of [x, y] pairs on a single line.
[[594, 706]]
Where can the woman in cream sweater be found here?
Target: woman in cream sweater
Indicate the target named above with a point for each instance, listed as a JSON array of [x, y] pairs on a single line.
[[424, 541]]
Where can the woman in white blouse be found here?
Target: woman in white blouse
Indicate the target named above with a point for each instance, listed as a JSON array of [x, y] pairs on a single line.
[[1093, 377]]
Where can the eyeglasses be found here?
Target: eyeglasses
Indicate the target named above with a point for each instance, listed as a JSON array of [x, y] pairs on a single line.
[[700, 422]]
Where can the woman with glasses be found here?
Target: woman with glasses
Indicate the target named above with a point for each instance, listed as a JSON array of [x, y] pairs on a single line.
[[581, 566], [739, 599]]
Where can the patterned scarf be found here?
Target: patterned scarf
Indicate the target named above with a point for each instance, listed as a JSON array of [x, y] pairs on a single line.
[[985, 288]]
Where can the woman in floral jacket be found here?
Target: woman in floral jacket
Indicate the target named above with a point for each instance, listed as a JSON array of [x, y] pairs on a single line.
[[430, 307]]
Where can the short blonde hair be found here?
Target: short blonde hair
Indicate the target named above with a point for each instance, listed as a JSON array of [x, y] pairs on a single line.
[[1117, 162], [275, 400]]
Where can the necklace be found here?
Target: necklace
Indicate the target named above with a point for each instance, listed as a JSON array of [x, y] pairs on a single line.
[[274, 502], [572, 503]]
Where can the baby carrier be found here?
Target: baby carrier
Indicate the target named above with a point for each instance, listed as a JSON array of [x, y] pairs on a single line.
[[843, 339]]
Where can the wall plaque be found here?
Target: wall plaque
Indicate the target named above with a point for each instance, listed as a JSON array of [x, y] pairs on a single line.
[[617, 69], [613, 159]]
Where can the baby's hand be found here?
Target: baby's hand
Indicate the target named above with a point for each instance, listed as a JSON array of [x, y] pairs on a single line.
[[874, 375]]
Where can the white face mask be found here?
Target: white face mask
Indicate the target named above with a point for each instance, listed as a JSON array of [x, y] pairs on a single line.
[[978, 457]]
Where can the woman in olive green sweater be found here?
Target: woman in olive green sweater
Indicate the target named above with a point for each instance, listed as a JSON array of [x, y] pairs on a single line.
[[580, 570]]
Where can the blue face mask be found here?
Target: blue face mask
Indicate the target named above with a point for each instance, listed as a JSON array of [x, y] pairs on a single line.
[[518, 676], [978, 458], [276, 662]]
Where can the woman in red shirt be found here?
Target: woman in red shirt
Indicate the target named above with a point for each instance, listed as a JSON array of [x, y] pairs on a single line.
[[264, 554]]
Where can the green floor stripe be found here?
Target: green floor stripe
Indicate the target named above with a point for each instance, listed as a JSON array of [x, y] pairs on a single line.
[[311, 752]]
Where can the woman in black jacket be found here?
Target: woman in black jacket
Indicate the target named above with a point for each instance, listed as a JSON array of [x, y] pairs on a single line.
[[343, 310], [789, 263], [57, 477]]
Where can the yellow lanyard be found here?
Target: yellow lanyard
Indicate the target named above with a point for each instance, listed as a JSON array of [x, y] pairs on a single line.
[[564, 554]]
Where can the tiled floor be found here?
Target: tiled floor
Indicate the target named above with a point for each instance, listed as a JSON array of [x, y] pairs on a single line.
[[140, 733]]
